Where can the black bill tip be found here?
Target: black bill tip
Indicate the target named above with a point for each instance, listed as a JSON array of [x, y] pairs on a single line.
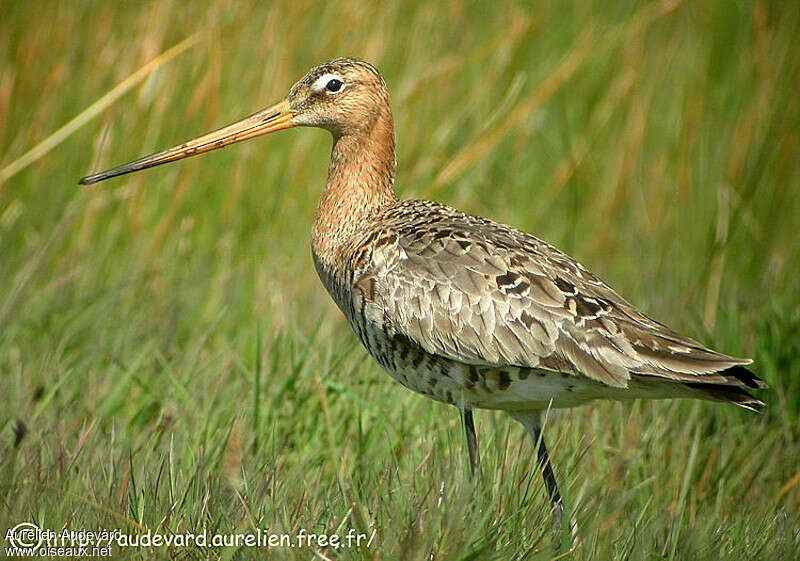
[[90, 179]]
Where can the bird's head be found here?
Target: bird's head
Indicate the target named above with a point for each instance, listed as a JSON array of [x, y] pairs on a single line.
[[343, 96]]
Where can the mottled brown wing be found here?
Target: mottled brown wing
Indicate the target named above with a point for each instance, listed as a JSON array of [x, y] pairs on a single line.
[[480, 292]]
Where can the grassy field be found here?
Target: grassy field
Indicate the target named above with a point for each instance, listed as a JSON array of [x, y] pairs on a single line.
[[169, 361]]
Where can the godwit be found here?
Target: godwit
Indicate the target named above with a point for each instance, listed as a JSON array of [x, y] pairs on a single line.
[[458, 308]]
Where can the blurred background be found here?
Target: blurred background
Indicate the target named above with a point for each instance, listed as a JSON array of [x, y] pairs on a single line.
[[169, 359]]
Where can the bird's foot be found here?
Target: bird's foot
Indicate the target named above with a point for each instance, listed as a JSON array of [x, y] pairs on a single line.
[[564, 539]]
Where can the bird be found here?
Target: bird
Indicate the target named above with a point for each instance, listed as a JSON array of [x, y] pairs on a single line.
[[459, 308]]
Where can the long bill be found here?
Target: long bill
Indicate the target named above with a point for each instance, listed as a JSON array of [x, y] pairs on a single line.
[[271, 119]]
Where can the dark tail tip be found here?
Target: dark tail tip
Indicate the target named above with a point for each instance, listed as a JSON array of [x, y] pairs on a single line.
[[746, 377], [729, 394]]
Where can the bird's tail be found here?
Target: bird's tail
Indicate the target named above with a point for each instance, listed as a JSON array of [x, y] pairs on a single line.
[[733, 390]]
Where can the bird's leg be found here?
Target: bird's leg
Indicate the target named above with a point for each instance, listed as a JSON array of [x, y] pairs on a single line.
[[472, 442], [556, 504], [532, 421]]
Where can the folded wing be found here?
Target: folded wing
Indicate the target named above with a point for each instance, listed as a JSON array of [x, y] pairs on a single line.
[[479, 292]]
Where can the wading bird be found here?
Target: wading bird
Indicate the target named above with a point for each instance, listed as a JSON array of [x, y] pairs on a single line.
[[462, 309]]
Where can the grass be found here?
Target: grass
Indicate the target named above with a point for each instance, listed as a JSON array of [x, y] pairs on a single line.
[[170, 362]]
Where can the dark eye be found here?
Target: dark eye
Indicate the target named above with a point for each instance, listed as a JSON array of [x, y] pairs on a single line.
[[333, 85]]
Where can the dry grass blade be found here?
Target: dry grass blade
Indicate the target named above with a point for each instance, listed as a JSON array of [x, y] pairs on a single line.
[[93, 110], [481, 145], [794, 481]]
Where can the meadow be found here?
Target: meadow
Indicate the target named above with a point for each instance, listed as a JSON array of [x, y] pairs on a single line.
[[170, 363]]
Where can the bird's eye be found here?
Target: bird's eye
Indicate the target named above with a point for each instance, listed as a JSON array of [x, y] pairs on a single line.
[[333, 85]]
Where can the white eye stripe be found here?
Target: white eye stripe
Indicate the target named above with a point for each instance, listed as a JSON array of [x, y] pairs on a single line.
[[320, 83]]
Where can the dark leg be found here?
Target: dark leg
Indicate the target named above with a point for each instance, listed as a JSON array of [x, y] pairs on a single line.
[[472, 442], [532, 421], [547, 474]]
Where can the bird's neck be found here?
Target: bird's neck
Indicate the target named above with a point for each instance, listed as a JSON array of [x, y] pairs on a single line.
[[360, 184]]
